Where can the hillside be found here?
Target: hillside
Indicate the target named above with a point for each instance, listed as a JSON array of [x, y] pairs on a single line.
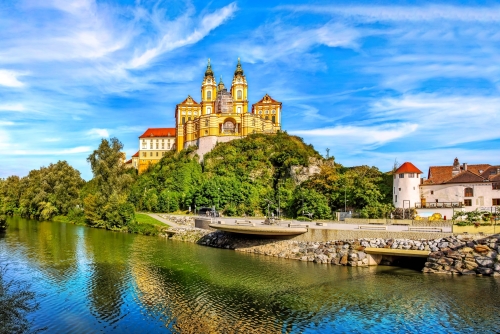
[[252, 175]]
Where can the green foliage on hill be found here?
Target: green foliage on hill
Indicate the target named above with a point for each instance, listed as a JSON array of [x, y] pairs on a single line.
[[252, 176]]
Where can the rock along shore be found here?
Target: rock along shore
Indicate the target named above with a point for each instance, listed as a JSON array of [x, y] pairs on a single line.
[[462, 255]]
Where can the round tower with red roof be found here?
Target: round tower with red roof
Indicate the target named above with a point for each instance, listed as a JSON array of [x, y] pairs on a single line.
[[406, 183]]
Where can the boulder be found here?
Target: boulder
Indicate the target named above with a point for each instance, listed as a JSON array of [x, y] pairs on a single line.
[[343, 260], [466, 250], [481, 248], [484, 261], [496, 267], [469, 265], [484, 271]]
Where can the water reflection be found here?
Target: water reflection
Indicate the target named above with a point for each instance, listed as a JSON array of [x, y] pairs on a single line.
[[103, 281]]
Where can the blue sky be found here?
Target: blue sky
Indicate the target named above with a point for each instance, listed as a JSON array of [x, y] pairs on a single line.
[[373, 81]]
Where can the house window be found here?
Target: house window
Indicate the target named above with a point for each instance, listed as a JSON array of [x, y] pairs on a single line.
[[239, 94], [432, 192], [496, 201], [399, 189], [401, 176], [396, 198], [143, 154], [157, 146], [189, 118], [151, 145], [183, 120], [495, 186], [209, 95], [144, 145], [206, 132], [162, 146], [150, 154], [239, 110], [412, 175], [467, 202], [437, 201], [274, 119], [209, 110], [468, 192], [169, 146], [156, 153]]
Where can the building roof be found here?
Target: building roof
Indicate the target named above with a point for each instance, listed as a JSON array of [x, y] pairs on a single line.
[[189, 100], [158, 132], [473, 173], [267, 100], [407, 167], [136, 154], [128, 161]]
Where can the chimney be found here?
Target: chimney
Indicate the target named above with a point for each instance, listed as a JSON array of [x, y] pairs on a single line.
[[456, 167], [465, 166]]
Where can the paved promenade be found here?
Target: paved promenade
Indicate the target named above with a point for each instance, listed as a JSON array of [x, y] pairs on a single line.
[[332, 225]]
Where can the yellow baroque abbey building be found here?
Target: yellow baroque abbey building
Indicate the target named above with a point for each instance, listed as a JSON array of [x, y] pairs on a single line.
[[221, 115]]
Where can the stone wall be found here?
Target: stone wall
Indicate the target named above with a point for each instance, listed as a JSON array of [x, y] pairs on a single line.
[[426, 223], [465, 256]]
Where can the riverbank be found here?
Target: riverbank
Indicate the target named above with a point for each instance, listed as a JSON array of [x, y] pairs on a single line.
[[454, 255]]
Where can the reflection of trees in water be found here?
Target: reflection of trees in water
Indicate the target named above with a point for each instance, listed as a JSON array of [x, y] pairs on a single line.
[[109, 271], [52, 246], [16, 302]]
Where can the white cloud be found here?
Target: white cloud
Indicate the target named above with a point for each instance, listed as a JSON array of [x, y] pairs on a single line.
[[361, 136], [100, 133], [486, 14], [12, 107], [278, 41], [10, 78], [184, 31], [74, 150]]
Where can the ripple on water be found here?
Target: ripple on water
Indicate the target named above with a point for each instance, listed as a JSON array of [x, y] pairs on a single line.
[[89, 280]]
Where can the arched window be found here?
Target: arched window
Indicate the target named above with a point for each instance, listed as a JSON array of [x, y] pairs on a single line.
[[468, 192], [274, 119], [267, 117], [209, 95], [209, 110], [239, 94], [239, 110]]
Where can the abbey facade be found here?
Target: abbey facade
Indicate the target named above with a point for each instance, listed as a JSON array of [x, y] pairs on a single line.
[[221, 115]]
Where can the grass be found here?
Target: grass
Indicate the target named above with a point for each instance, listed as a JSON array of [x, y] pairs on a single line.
[[143, 218]]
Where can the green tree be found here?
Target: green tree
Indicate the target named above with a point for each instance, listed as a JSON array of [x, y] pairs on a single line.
[[106, 202]]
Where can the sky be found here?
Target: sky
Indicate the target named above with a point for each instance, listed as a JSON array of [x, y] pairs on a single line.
[[376, 82]]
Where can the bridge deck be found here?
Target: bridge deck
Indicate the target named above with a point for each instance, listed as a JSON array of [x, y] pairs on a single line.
[[397, 252]]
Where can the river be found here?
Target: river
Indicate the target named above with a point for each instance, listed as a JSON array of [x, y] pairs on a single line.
[[91, 280]]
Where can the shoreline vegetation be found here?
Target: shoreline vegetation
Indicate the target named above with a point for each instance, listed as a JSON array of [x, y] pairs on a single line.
[[259, 175]]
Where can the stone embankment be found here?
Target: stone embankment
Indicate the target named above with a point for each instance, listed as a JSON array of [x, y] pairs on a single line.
[[464, 255]]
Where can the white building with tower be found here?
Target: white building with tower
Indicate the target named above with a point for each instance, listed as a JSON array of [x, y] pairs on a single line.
[[406, 191], [448, 188]]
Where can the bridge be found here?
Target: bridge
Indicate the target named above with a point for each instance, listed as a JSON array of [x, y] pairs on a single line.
[[396, 252]]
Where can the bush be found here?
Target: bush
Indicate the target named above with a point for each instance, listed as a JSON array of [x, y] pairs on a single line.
[[3, 222], [142, 228]]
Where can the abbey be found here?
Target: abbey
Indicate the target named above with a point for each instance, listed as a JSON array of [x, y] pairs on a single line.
[[221, 115]]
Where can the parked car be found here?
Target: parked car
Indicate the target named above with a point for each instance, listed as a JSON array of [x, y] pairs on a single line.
[[211, 212]]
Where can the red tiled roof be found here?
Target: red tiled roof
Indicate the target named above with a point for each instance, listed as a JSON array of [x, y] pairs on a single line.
[[128, 161], [136, 154], [464, 177], [158, 132], [444, 174], [407, 167]]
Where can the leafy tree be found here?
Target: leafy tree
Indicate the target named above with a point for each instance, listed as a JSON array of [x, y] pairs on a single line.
[[105, 204]]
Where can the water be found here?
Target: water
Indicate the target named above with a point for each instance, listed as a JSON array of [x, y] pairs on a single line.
[[92, 281]]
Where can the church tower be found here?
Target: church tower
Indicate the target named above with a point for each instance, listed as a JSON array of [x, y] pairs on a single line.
[[208, 91], [239, 89]]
